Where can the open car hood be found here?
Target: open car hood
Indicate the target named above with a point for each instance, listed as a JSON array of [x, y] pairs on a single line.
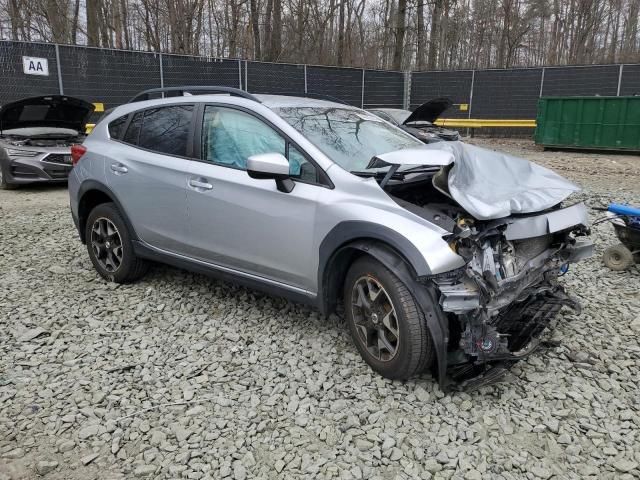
[[56, 111], [491, 185], [429, 111]]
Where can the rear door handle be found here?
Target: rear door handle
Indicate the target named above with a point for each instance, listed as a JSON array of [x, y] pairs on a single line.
[[200, 184], [118, 168]]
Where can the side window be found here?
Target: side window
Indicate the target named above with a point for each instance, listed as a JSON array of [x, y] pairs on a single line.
[[300, 167], [117, 126], [230, 136], [166, 129], [133, 132]]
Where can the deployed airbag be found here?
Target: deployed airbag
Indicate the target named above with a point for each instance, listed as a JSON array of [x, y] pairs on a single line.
[[490, 185]]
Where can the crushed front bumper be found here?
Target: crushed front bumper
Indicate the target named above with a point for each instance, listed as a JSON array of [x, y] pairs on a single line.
[[496, 321]]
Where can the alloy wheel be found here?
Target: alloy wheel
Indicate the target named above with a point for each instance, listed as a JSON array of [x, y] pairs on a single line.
[[106, 244], [375, 318]]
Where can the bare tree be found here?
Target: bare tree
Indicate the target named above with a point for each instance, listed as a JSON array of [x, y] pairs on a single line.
[[400, 31], [432, 34]]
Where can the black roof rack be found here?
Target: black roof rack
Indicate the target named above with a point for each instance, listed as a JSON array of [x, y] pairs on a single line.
[[199, 89]]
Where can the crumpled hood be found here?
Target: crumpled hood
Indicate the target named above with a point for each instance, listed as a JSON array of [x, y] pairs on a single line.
[[491, 185], [429, 111], [55, 111]]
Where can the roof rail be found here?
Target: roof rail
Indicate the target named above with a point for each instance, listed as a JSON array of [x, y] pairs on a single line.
[[322, 96], [180, 91]]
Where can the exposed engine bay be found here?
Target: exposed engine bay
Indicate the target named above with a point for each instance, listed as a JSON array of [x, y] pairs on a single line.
[[43, 142], [507, 293]]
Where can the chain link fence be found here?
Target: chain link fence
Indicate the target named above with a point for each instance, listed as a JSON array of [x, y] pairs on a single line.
[[112, 77], [514, 93]]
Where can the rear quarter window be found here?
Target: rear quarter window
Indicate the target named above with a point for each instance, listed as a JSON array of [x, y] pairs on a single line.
[[133, 131], [116, 127]]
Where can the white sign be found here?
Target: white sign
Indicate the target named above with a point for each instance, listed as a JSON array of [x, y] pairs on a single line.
[[35, 66]]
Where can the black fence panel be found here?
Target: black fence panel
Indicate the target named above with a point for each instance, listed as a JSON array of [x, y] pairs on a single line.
[[111, 77], [630, 80], [344, 84], [456, 85], [581, 81], [511, 94], [15, 84], [383, 89], [179, 70], [275, 78]]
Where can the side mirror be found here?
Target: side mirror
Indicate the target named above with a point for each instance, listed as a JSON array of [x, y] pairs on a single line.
[[271, 166]]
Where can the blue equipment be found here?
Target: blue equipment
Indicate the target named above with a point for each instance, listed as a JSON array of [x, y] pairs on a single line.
[[626, 222]]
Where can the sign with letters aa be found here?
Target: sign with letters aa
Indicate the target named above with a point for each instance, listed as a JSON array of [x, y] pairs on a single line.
[[35, 66]]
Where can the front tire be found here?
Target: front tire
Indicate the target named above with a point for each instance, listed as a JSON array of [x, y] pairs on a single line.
[[110, 247], [386, 324], [3, 180]]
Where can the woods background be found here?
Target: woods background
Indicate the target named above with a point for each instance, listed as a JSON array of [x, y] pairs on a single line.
[[386, 34]]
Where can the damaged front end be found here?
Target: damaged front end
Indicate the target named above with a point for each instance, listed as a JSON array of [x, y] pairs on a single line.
[[508, 293], [506, 219]]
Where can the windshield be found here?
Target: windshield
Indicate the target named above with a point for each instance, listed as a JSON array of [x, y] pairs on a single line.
[[351, 138]]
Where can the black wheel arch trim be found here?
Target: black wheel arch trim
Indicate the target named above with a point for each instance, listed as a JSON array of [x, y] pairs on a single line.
[[342, 235], [90, 185]]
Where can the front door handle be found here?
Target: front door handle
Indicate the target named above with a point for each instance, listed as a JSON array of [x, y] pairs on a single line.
[[201, 184], [118, 168]]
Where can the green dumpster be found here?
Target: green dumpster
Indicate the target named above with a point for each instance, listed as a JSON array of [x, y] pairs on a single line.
[[607, 123]]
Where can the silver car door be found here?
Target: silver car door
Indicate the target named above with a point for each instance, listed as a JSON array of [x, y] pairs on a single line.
[[243, 223], [148, 173]]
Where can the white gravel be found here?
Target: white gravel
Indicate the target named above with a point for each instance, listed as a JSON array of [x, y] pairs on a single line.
[[181, 376]]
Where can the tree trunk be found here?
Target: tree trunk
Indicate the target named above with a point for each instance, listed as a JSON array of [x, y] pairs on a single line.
[[276, 33], [74, 25], [420, 35], [125, 23], [341, 33], [268, 30], [434, 38], [255, 26], [401, 29]]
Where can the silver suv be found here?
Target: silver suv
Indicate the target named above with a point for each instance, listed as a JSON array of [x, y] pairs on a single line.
[[442, 255]]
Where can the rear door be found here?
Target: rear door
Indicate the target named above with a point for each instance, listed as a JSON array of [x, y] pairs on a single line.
[[148, 173], [247, 224]]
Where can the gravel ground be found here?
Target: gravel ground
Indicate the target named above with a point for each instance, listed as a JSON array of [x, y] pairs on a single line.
[[181, 376]]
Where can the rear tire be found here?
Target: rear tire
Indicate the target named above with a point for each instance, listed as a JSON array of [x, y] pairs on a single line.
[[3, 180], [110, 247], [390, 333], [618, 257]]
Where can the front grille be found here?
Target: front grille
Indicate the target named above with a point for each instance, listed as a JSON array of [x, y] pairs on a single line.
[[60, 158]]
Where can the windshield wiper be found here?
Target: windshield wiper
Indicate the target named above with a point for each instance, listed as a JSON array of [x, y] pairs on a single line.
[[400, 174], [421, 168], [386, 176]]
